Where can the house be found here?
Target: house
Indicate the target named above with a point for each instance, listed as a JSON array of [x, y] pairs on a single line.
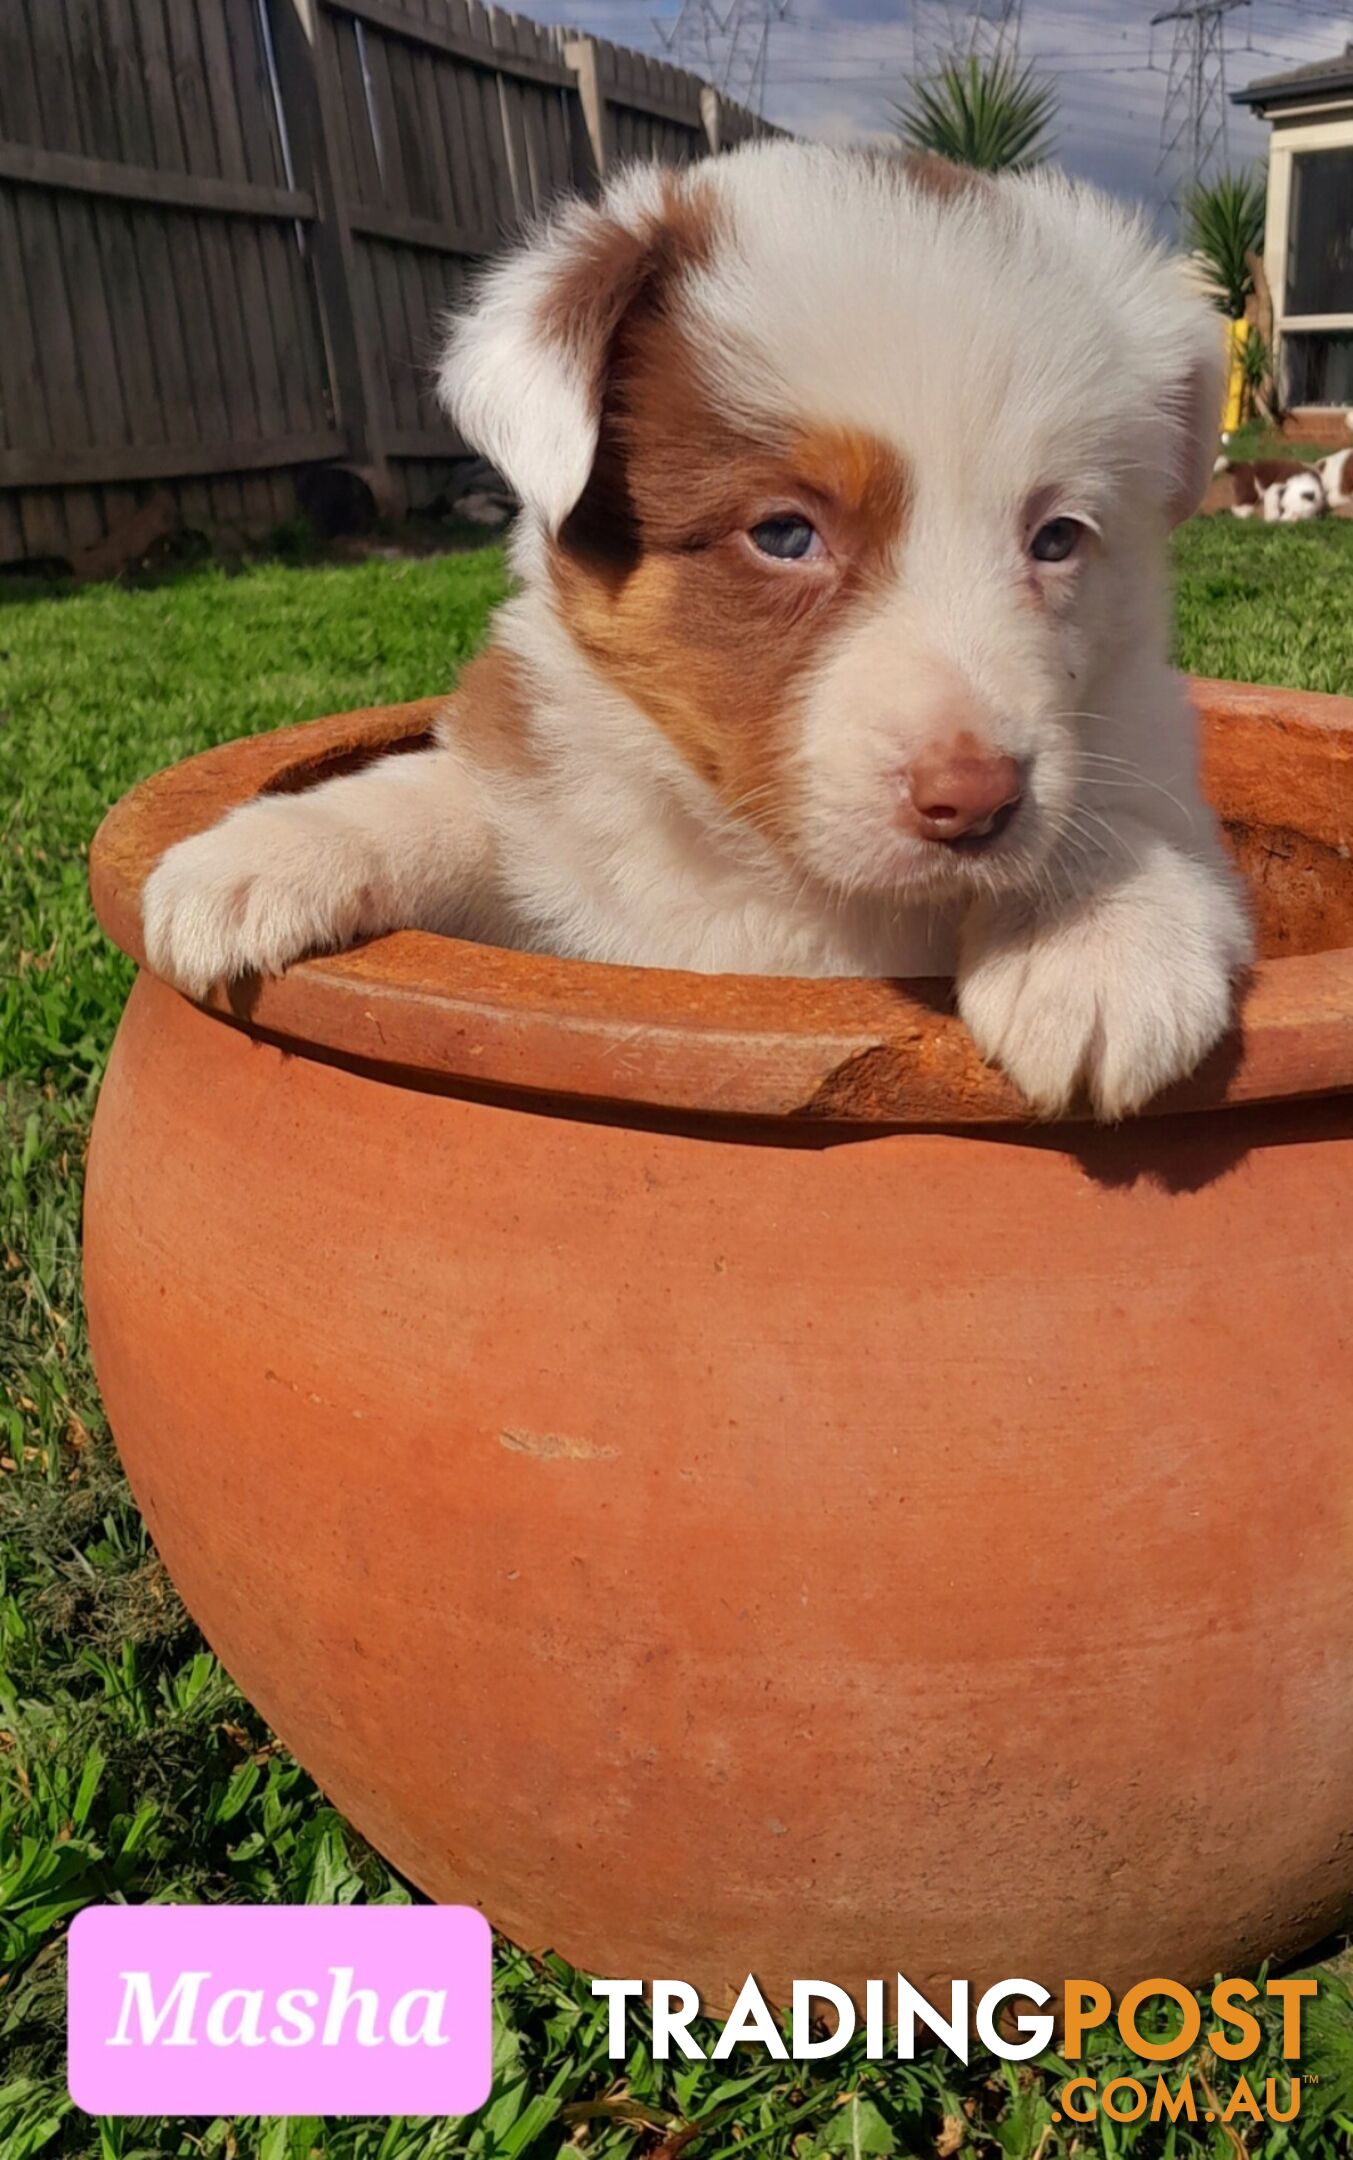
[[1308, 243]]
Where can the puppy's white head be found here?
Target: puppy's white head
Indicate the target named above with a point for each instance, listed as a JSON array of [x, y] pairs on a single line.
[[853, 472], [1292, 502]]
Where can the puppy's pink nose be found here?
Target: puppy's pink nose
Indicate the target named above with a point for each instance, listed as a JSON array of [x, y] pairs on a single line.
[[960, 793]]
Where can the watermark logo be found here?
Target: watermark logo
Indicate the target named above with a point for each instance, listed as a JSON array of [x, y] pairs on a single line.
[[1016, 2020], [279, 2010], [1187, 2094]]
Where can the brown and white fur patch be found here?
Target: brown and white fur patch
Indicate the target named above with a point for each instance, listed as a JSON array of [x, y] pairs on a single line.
[[794, 683], [1256, 484], [1295, 501]]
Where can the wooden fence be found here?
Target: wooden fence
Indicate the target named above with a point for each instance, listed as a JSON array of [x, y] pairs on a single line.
[[228, 228]]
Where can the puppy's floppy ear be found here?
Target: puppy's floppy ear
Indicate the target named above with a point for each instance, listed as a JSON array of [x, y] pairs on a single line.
[[524, 371]]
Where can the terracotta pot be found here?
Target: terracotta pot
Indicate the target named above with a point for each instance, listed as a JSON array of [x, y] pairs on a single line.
[[691, 1470]]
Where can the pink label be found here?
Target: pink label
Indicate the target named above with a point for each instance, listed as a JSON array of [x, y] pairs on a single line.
[[279, 2010]]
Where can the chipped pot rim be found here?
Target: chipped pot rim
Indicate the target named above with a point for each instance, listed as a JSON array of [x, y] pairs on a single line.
[[422, 1010]]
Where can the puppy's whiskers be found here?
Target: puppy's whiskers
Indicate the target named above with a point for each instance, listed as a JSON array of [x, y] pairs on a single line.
[[1086, 758]]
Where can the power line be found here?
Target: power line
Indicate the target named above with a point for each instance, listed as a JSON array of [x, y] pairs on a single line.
[[750, 47], [731, 50], [1193, 123], [860, 70], [943, 31]]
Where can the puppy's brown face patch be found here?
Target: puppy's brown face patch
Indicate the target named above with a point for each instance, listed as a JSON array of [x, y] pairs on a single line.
[[661, 583]]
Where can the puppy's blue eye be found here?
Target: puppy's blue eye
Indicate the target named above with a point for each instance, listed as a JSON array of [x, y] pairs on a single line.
[[784, 539], [1056, 540]]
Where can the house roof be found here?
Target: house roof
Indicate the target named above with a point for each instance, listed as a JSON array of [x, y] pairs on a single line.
[[1320, 78]]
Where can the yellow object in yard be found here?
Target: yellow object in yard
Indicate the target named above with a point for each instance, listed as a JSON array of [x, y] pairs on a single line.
[[1239, 336]]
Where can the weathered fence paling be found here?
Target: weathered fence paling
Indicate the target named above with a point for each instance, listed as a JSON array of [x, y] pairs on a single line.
[[228, 229]]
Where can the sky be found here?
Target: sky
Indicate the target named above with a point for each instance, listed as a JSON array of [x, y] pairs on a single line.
[[836, 66]]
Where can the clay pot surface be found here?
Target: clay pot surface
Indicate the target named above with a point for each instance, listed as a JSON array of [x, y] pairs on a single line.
[[693, 1471]]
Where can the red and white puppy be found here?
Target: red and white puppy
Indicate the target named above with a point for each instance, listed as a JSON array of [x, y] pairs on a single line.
[[840, 645], [1277, 491]]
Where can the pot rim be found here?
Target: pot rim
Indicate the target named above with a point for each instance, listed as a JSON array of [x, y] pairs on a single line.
[[424, 1010]]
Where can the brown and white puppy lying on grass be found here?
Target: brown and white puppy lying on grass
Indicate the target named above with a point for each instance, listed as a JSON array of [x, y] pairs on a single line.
[[840, 647], [1277, 491]]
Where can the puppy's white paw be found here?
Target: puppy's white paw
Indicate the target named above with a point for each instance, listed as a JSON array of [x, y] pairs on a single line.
[[1121, 991], [265, 886]]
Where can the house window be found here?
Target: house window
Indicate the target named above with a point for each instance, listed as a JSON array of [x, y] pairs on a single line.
[[1319, 277], [1318, 367]]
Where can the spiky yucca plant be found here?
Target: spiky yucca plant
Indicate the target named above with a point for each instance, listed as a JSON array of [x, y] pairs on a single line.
[[1224, 229], [993, 115]]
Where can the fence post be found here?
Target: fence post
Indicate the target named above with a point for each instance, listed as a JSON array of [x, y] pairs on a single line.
[[711, 117], [307, 92], [580, 54]]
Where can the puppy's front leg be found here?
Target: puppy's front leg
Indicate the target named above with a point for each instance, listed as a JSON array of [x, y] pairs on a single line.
[[1121, 980], [400, 845]]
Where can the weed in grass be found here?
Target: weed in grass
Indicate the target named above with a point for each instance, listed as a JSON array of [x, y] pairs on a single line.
[[129, 1765]]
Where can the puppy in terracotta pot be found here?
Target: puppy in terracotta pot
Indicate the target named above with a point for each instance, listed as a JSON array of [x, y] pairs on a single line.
[[839, 643]]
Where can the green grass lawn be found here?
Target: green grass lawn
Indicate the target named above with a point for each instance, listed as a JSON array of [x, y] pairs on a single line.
[[129, 1766]]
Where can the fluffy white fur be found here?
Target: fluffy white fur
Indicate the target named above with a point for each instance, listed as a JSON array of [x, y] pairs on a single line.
[[1296, 501], [1027, 342], [1337, 475]]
